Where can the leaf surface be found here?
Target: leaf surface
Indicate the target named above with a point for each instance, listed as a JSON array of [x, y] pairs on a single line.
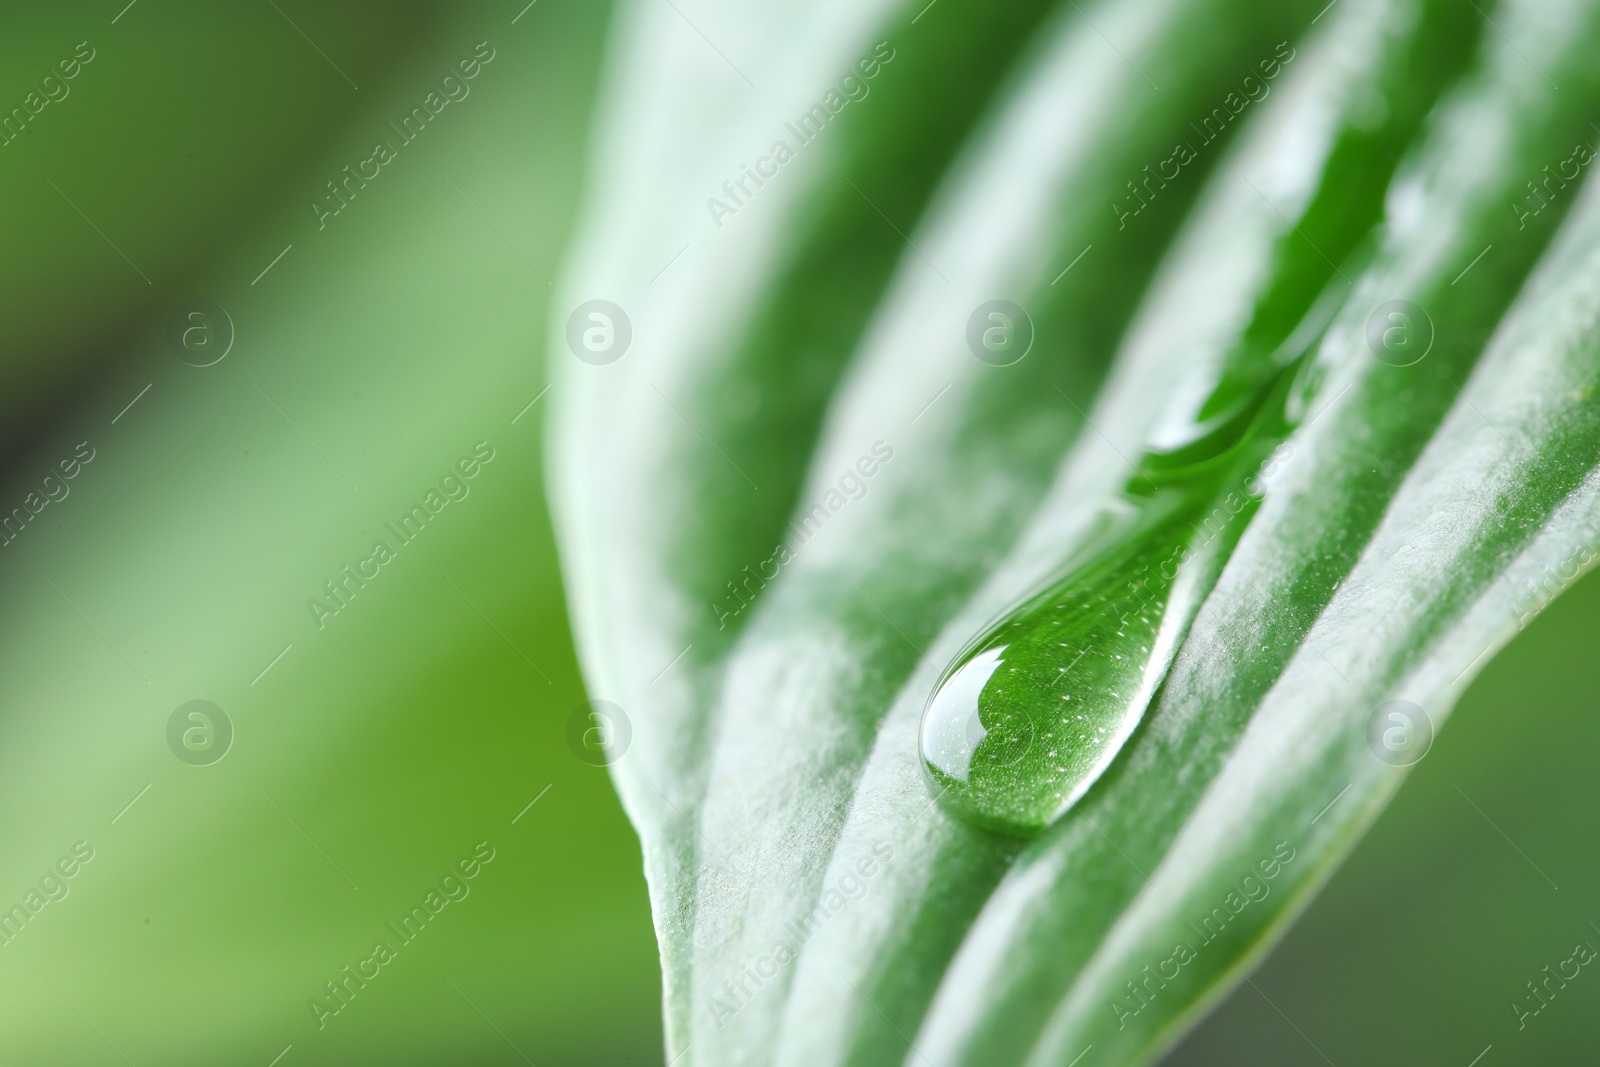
[[819, 906]]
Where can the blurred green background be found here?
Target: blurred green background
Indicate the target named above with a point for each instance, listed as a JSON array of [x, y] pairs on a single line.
[[424, 717], [374, 752]]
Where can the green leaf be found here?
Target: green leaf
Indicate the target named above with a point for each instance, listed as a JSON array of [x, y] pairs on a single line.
[[815, 903]]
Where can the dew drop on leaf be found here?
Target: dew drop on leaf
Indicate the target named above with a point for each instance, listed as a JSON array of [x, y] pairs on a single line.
[[978, 731], [1104, 632]]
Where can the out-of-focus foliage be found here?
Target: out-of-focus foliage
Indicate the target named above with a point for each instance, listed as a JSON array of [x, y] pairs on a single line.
[[424, 717]]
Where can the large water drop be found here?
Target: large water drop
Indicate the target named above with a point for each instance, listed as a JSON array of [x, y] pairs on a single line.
[[1037, 707], [1030, 715]]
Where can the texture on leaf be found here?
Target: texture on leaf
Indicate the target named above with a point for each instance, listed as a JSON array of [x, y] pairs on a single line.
[[799, 494]]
